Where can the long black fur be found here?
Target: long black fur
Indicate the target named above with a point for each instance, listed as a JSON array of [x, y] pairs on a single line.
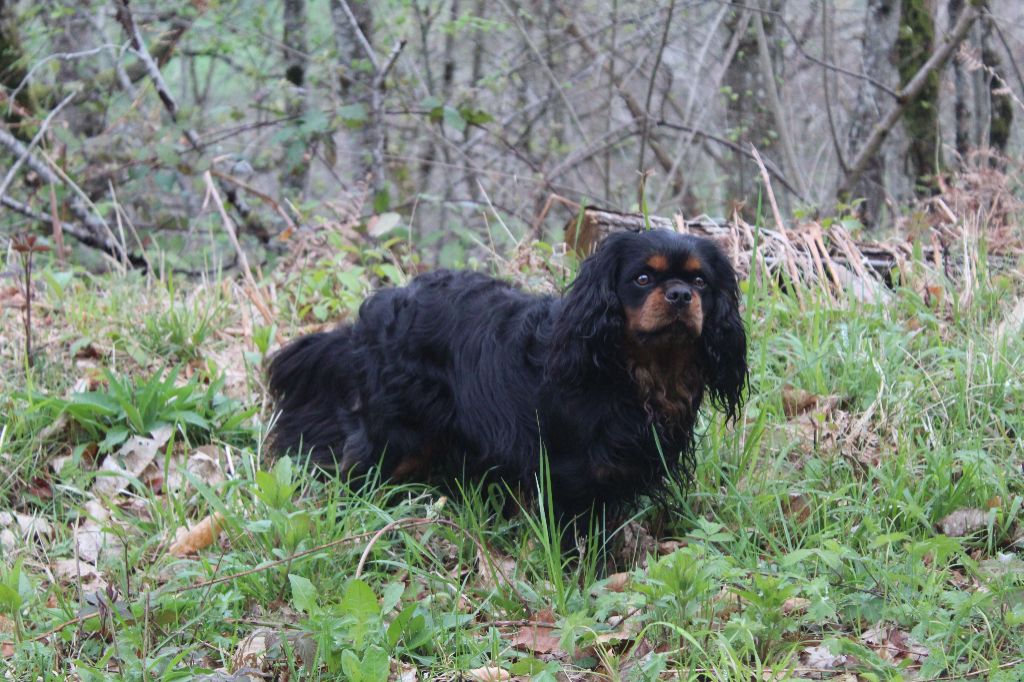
[[458, 373]]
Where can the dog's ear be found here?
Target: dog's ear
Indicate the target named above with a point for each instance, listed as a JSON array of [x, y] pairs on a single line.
[[588, 327], [725, 341]]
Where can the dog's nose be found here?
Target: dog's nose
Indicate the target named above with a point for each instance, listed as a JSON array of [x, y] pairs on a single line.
[[679, 295]]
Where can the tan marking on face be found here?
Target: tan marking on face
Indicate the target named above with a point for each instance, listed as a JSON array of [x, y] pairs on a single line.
[[693, 316], [654, 314], [657, 313], [658, 263], [692, 265]]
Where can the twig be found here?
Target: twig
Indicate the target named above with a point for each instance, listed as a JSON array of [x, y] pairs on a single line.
[[6, 182], [125, 18], [63, 56], [360, 36], [794, 274], [252, 290], [79, 203], [547, 70], [739, 149], [377, 113], [255, 192]]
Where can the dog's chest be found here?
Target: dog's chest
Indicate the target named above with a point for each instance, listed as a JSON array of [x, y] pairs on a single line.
[[670, 383]]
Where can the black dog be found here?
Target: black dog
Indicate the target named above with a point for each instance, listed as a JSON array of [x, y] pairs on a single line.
[[458, 373]]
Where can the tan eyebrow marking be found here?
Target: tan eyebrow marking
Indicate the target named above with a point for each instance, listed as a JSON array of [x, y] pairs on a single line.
[[658, 262], [692, 265]]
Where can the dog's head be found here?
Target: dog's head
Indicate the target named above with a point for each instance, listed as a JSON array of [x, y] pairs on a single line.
[[655, 292]]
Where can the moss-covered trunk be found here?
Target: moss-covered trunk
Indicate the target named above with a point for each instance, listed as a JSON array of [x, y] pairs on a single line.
[[915, 42]]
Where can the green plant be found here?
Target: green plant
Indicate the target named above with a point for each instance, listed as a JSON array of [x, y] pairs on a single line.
[[126, 407], [181, 329]]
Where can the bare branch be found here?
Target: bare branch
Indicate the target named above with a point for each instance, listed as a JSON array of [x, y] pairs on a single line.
[[6, 182]]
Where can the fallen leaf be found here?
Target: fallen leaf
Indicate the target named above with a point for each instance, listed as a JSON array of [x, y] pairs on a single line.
[[7, 540], [488, 674], [202, 535], [893, 644], [33, 526], [797, 401], [128, 462], [204, 464], [795, 605], [625, 630], [538, 637], [80, 572], [797, 507], [820, 657], [963, 522], [404, 672], [669, 546], [379, 225], [496, 569], [617, 582], [90, 538]]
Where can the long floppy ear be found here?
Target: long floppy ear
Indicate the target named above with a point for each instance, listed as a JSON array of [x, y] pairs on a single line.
[[725, 341], [588, 328]]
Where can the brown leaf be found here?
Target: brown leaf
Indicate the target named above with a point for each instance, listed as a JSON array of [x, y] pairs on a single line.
[[538, 637], [129, 462], [669, 546], [617, 582], [795, 605], [202, 535], [74, 572], [821, 658], [625, 630], [963, 522], [797, 507], [488, 674], [496, 569], [797, 401]]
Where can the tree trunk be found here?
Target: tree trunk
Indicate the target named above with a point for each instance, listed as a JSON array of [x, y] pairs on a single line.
[[355, 79], [881, 26], [915, 43], [297, 154], [983, 113], [748, 117]]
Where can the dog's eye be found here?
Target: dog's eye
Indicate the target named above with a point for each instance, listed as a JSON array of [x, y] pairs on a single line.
[[643, 279], [699, 282]]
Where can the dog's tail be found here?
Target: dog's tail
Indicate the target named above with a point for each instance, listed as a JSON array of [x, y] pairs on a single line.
[[311, 386]]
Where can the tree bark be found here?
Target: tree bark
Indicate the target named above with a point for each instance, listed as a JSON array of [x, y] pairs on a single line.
[[355, 81], [297, 154], [881, 25], [915, 43], [748, 116], [869, 150]]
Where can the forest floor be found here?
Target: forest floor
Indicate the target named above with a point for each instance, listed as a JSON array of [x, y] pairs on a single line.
[[860, 522]]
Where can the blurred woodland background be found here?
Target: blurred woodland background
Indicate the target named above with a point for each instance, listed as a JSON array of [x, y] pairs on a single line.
[[132, 128]]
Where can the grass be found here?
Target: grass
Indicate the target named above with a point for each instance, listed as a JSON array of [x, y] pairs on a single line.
[[809, 545]]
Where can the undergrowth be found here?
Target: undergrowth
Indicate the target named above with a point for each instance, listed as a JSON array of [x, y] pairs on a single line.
[[819, 537]]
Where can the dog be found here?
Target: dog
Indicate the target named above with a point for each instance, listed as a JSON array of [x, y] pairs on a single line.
[[460, 374]]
